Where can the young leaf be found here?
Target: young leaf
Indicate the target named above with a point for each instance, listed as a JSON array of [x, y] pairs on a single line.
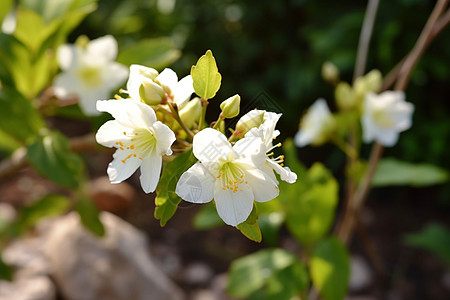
[[167, 200], [51, 156], [330, 269], [395, 172], [207, 217], [250, 273], [250, 227], [89, 215], [5, 7], [6, 271], [206, 76], [434, 238]]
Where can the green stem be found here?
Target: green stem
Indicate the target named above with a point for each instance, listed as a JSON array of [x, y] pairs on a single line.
[[178, 119], [201, 122], [348, 149]]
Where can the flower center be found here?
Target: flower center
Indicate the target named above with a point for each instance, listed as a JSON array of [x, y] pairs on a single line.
[[90, 76], [140, 142], [382, 119], [231, 176]]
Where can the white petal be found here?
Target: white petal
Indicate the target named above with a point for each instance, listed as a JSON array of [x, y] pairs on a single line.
[[387, 138], [150, 172], [110, 133], [128, 112], [88, 100], [139, 73], [66, 84], [263, 187], [118, 170], [268, 127], [104, 48], [252, 149], [168, 78], [196, 185], [164, 138], [285, 173], [233, 208], [183, 90], [114, 74], [67, 56], [209, 145], [303, 138]]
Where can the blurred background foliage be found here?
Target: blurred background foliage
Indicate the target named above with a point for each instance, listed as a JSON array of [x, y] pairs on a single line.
[[278, 47]]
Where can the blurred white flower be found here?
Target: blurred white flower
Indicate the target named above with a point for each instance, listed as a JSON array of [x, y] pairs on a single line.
[[385, 116], [140, 140], [233, 176], [152, 87], [266, 131], [89, 72], [316, 125]]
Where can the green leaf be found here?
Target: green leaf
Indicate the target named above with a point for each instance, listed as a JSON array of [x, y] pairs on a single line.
[[207, 217], [18, 118], [6, 271], [54, 9], [312, 204], [5, 8], [250, 227], [391, 171], [51, 156], [250, 273], [434, 238], [167, 200], [50, 205], [330, 269], [156, 53], [7, 143], [206, 76], [89, 215]]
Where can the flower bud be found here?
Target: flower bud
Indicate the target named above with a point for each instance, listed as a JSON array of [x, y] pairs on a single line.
[[230, 107], [330, 72], [371, 82], [345, 96], [250, 120], [150, 92], [191, 112]]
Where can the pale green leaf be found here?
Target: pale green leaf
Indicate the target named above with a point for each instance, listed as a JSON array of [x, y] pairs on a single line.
[[250, 227], [206, 76], [330, 269], [89, 215], [207, 217], [391, 171], [5, 8]]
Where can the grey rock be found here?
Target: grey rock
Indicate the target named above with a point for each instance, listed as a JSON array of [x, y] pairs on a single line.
[[28, 288], [360, 274]]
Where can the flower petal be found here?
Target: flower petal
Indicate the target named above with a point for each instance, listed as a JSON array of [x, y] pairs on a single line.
[[209, 145], [196, 185], [104, 48], [66, 85], [128, 112], [110, 133], [88, 100], [233, 208], [263, 187], [164, 138], [252, 149], [118, 170], [113, 75], [183, 90], [168, 78], [150, 172], [138, 74], [67, 56], [285, 173]]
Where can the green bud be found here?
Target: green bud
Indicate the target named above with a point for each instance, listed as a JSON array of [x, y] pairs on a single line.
[[151, 93], [345, 96], [371, 82], [82, 41], [250, 120], [330, 72], [230, 107], [191, 112]]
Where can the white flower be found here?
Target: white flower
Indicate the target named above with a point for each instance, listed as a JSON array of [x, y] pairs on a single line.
[[266, 131], [385, 116], [89, 73], [151, 87], [315, 125], [140, 140], [230, 175]]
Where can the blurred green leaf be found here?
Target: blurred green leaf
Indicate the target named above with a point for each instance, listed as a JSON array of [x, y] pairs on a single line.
[[7, 143], [270, 225], [391, 171], [250, 227], [5, 8], [330, 269], [156, 53], [207, 217], [51, 156], [206, 76], [54, 9], [311, 210], [434, 238], [250, 273], [89, 215], [50, 205], [6, 271], [18, 118], [167, 200]]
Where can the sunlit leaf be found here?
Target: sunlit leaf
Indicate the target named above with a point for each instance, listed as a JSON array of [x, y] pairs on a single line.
[[330, 269], [5, 8], [50, 155], [250, 227], [167, 200], [89, 215], [206, 76], [434, 238], [207, 217], [156, 53], [395, 172]]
